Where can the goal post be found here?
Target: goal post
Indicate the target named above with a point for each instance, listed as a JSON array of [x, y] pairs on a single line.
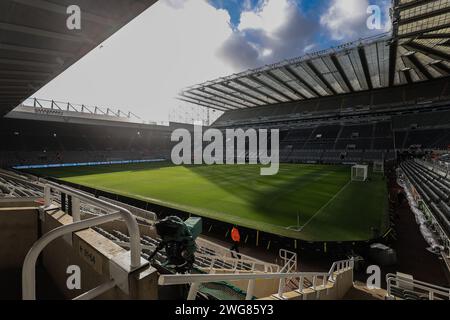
[[378, 166], [359, 172]]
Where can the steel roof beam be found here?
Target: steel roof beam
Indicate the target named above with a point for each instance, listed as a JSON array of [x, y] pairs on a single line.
[[441, 68], [414, 34], [431, 52], [285, 85], [320, 76], [30, 63], [365, 66], [8, 102], [41, 33], [13, 94], [393, 44], [203, 90], [393, 47], [61, 9], [408, 77], [251, 95], [43, 74], [16, 48], [245, 85], [233, 95], [424, 16], [201, 104], [341, 71], [210, 98], [24, 81], [419, 66], [302, 82], [12, 86], [411, 4], [434, 36], [265, 84]]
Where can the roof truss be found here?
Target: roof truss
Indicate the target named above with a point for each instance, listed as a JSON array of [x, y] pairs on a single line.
[[417, 50]]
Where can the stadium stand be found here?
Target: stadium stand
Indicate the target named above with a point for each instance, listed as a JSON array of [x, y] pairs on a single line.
[[36, 142], [434, 188], [366, 101], [326, 139]]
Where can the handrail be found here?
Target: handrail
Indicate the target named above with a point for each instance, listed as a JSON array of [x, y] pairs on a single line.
[[29, 266], [213, 259], [429, 288], [196, 279], [289, 263], [220, 250], [97, 291], [126, 215], [175, 279]]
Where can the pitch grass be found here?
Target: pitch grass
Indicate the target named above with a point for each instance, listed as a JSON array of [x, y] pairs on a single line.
[[329, 206]]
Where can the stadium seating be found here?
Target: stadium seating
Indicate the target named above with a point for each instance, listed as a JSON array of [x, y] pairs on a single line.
[[36, 142], [345, 139], [434, 189], [384, 99]]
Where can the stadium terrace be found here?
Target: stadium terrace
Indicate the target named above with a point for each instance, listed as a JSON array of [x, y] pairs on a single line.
[[323, 177]]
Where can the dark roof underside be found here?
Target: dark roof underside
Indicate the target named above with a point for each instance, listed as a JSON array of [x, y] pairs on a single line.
[[36, 45]]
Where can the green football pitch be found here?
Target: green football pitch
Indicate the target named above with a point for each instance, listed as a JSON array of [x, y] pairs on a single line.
[[307, 202]]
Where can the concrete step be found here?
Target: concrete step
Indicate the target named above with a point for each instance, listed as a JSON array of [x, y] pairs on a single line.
[[361, 292]]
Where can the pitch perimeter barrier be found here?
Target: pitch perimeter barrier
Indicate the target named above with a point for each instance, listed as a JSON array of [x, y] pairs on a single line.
[[86, 164]]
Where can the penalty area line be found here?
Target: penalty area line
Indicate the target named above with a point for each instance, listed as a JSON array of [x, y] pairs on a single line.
[[325, 205]]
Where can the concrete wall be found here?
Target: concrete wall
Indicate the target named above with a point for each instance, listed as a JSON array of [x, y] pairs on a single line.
[[18, 232], [92, 253]]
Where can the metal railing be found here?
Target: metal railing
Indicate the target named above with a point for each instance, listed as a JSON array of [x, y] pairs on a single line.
[[59, 107], [289, 259], [219, 252], [116, 212], [404, 288], [318, 280]]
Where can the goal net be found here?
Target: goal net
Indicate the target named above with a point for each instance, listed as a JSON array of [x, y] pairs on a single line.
[[359, 172], [378, 166]]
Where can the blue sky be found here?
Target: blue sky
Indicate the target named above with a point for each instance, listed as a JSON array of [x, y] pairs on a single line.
[[312, 7], [178, 43], [234, 8], [313, 13]]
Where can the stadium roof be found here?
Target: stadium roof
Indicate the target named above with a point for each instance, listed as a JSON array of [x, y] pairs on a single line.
[[418, 49], [36, 45]]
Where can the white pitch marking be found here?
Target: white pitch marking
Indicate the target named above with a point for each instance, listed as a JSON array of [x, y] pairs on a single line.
[[325, 205]]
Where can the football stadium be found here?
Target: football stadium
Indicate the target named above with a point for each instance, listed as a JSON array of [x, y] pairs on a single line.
[[97, 204]]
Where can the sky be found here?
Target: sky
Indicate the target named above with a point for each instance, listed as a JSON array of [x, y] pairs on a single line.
[[178, 43]]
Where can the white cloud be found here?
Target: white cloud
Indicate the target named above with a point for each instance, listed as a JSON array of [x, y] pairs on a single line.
[[274, 30], [347, 19], [269, 16], [177, 43], [143, 66]]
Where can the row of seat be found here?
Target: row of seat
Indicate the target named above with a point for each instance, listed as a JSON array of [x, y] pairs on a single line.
[[434, 190], [207, 259], [13, 188]]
